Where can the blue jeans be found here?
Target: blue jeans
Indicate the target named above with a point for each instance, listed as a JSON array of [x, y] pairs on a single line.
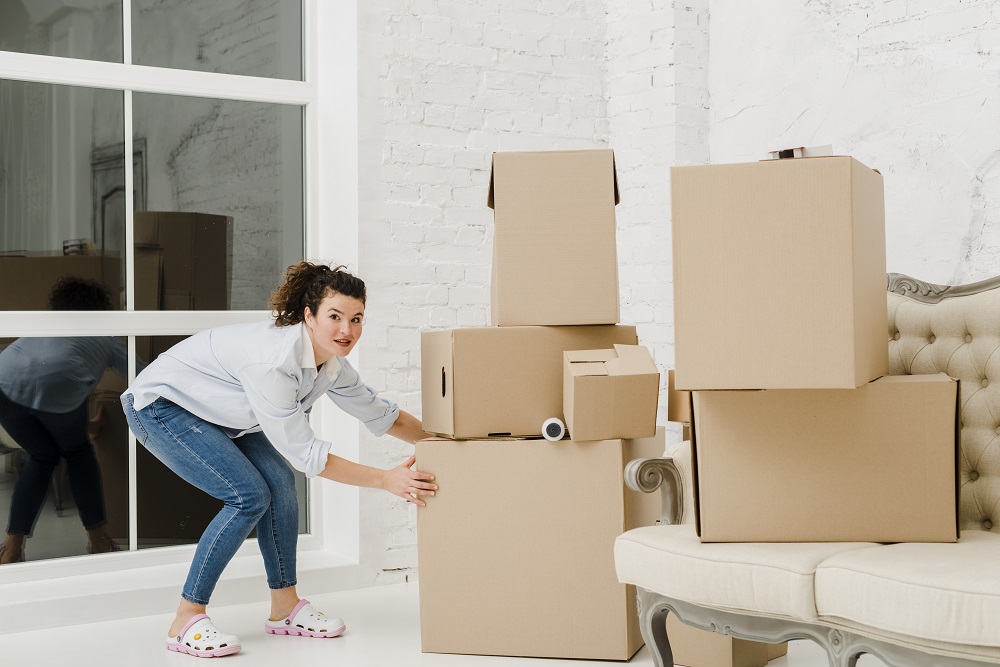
[[246, 473], [47, 436]]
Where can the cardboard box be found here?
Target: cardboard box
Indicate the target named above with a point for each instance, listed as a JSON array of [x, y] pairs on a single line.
[[554, 253], [693, 647], [779, 275], [874, 464], [678, 402], [490, 381], [197, 255], [610, 393], [516, 549], [25, 281]]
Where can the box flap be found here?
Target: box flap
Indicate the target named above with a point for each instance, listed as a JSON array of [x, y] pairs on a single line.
[[632, 360]]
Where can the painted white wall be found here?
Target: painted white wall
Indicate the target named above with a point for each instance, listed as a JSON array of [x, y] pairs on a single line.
[[907, 87]]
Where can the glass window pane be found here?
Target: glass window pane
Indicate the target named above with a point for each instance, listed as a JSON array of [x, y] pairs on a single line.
[[185, 517], [249, 37], [222, 213], [62, 190], [63, 445], [89, 30]]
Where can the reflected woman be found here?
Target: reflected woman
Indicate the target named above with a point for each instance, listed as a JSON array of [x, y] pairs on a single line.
[[45, 384], [227, 409]]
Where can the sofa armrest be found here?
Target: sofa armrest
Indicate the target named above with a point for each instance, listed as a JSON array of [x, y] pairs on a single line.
[[648, 475]]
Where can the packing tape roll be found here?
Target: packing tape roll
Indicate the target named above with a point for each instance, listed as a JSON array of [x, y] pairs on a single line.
[[553, 429]]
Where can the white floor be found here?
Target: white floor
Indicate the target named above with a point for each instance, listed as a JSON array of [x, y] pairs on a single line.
[[383, 630]]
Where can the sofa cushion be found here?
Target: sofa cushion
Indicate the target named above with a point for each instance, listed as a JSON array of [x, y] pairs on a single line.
[[943, 592], [775, 579]]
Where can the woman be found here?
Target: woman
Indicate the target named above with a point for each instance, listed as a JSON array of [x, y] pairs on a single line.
[[45, 384], [225, 409]]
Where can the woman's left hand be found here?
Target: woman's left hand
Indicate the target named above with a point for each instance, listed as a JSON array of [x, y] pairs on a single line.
[[409, 484]]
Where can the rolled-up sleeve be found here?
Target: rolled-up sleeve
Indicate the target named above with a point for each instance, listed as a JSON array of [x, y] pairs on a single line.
[[271, 392], [361, 401]]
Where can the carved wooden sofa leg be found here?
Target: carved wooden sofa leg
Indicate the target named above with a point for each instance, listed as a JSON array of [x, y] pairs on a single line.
[[843, 648]]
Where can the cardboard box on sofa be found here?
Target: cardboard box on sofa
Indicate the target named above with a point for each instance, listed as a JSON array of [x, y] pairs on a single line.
[[484, 381], [554, 253], [516, 550], [779, 274], [874, 464], [693, 647], [610, 393]]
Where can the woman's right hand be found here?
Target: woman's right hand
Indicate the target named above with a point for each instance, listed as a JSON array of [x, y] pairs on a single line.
[[409, 484]]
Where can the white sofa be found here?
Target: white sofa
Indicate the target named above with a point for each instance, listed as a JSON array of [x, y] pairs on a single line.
[[910, 605]]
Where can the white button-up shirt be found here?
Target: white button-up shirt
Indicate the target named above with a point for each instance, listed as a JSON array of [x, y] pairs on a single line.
[[261, 377]]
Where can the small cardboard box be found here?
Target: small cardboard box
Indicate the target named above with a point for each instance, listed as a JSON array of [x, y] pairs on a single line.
[[610, 393], [554, 253], [197, 255], [678, 402], [779, 275], [492, 381], [874, 464], [516, 549], [693, 647]]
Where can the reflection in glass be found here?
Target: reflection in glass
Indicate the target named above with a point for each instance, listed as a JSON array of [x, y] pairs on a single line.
[[184, 518], [62, 179], [48, 387], [253, 38], [223, 213], [91, 30]]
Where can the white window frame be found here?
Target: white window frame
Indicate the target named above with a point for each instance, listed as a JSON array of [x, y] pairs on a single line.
[[328, 95]]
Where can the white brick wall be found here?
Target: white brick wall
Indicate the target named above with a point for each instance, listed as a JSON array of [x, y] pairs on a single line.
[[444, 83]]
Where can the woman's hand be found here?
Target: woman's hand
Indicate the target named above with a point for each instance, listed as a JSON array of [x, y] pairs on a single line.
[[409, 484]]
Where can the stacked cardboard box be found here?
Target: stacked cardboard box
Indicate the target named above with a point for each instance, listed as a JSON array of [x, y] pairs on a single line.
[[515, 549], [779, 292]]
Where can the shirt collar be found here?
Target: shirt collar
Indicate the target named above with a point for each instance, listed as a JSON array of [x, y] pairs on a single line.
[[308, 357]]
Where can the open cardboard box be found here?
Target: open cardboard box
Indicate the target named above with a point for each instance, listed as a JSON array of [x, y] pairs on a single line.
[[610, 393], [554, 249]]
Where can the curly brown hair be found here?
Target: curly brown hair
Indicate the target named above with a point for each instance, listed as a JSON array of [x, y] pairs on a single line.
[[73, 293], [306, 284]]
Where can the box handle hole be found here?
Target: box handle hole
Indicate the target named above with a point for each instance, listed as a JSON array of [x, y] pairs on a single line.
[[443, 385]]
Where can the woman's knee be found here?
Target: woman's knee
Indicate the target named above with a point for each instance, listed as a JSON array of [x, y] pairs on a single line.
[[253, 497]]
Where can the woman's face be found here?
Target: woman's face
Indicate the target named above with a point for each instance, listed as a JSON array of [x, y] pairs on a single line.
[[335, 327]]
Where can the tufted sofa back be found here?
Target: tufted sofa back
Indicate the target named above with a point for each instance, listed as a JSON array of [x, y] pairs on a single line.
[[956, 330]]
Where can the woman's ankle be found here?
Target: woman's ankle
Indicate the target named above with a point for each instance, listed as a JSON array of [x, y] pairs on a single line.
[[185, 613]]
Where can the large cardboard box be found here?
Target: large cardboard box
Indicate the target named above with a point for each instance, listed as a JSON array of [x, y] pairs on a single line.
[[489, 381], [554, 254], [516, 549], [779, 274], [610, 393], [693, 647], [197, 256], [874, 464]]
